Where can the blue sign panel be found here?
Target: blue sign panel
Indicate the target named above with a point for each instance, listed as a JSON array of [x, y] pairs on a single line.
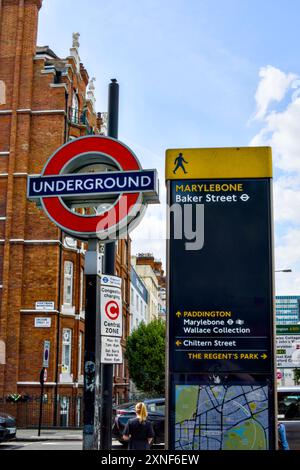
[[144, 181], [139, 285]]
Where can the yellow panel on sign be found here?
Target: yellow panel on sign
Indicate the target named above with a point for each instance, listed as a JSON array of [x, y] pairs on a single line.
[[218, 163]]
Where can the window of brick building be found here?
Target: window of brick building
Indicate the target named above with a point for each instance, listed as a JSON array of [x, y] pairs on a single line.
[[80, 346], [68, 283], [66, 351], [81, 301]]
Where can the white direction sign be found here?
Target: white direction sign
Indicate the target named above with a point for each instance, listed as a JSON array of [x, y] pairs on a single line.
[[111, 350], [42, 322], [288, 351], [44, 305], [111, 310], [111, 281]]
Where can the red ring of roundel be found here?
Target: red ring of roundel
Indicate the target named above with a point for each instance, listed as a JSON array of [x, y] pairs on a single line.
[[72, 221]]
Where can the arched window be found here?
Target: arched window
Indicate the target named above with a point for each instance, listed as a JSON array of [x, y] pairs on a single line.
[[68, 283], [75, 109]]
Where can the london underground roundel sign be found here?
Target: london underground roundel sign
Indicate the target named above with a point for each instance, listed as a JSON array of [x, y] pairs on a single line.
[[94, 187]]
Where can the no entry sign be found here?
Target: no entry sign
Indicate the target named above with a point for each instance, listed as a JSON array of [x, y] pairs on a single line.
[[101, 172]]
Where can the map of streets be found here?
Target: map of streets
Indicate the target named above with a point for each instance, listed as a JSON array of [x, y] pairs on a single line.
[[219, 417]]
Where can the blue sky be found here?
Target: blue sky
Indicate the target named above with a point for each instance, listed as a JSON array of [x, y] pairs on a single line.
[[190, 74]]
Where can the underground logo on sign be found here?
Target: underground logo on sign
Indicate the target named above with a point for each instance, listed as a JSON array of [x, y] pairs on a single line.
[[94, 187]]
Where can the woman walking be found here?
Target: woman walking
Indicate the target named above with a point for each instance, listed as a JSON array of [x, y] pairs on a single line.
[[139, 431]]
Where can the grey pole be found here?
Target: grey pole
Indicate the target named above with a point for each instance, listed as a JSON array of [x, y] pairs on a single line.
[[109, 268], [91, 349]]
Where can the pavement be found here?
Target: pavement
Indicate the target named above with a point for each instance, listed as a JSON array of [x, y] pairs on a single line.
[[31, 435]]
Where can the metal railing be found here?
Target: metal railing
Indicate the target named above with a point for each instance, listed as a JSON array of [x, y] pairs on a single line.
[[26, 413], [79, 118]]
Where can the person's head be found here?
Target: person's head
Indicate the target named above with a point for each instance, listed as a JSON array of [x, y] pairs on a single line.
[[141, 411]]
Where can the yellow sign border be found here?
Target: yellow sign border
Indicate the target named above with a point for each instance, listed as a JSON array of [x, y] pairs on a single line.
[[220, 163]]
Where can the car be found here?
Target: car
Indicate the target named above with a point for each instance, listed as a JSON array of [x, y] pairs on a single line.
[[156, 414], [289, 414], [3, 434], [8, 424]]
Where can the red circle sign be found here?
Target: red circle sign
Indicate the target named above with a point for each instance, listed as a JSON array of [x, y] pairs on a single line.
[[112, 310], [116, 217]]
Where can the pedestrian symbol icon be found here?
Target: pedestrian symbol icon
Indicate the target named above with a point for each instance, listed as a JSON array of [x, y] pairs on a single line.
[[179, 163]]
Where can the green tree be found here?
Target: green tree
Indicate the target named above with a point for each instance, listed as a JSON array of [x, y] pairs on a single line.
[[145, 353], [297, 376]]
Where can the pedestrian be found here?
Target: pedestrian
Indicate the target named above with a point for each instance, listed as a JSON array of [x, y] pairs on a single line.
[[139, 431], [283, 443]]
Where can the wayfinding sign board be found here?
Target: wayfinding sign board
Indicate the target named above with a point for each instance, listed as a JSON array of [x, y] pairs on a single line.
[[288, 346], [220, 299]]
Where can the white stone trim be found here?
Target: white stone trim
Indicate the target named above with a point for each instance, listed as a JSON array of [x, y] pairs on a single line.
[[6, 111], [70, 66], [35, 242], [49, 384], [59, 85], [48, 71], [1, 286], [2, 219], [42, 56], [40, 312], [3, 175], [23, 110], [49, 111], [68, 310], [20, 174], [4, 154], [66, 378]]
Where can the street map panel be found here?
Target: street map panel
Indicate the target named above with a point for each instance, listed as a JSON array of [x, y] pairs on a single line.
[[219, 417]]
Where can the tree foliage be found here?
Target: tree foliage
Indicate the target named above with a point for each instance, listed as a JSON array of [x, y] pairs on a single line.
[[297, 376], [145, 353]]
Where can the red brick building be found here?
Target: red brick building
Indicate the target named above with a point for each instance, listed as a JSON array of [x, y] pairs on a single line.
[[44, 102]]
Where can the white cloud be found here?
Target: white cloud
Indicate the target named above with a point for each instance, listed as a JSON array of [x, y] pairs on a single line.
[[281, 130], [272, 87]]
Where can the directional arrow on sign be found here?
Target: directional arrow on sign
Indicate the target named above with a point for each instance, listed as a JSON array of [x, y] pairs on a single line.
[[178, 343], [264, 356], [179, 314]]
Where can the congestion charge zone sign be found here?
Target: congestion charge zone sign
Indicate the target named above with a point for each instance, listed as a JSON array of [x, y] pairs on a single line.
[[111, 319]]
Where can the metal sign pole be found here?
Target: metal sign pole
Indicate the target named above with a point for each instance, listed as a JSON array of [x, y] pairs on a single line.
[[91, 350], [109, 268], [42, 381]]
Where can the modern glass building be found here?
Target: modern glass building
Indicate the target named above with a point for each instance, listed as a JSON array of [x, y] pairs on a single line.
[[287, 309]]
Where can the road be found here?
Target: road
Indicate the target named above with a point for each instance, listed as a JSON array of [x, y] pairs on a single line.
[[55, 445]]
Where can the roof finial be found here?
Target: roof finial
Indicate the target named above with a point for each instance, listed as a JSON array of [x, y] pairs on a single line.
[[92, 84], [76, 37]]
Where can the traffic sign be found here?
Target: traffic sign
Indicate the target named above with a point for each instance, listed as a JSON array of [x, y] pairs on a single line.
[[288, 351], [46, 354], [121, 191], [111, 306], [111, 350]]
